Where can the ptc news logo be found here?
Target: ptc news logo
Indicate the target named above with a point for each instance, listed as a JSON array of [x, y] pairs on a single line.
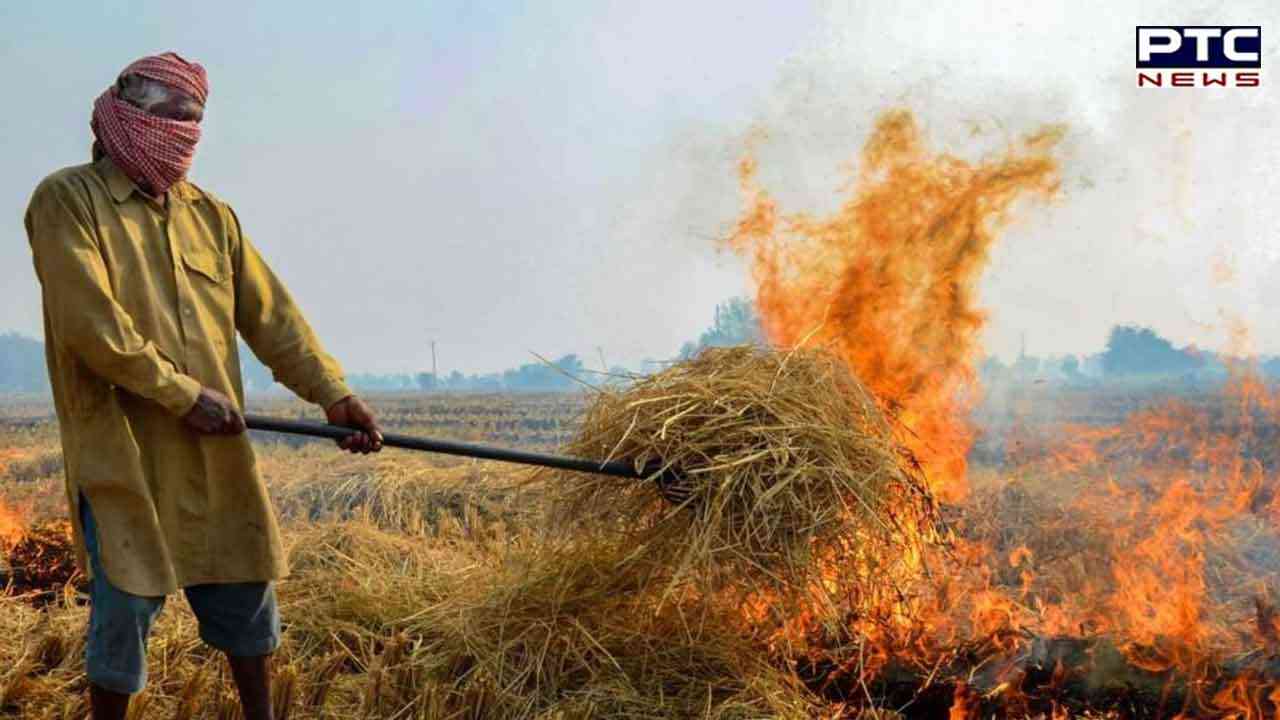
[[1199, 56]]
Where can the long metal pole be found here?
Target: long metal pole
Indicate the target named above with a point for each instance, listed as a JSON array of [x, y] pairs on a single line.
[[616, 468]]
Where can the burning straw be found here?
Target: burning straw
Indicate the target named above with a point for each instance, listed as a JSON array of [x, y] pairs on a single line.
[[787, 463]]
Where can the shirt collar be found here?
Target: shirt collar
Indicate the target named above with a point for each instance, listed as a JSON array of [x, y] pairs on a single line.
[[121, 185]]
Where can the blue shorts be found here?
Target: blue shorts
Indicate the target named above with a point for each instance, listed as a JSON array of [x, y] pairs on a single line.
[[241, 619]]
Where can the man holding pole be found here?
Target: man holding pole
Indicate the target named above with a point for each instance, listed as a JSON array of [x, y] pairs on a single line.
[[146, 281]]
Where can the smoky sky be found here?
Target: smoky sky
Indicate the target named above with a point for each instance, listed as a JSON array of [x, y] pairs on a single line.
[[514, 178]]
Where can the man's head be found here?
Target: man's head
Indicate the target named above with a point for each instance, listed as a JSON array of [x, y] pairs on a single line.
[[148, 122], [158, 98]]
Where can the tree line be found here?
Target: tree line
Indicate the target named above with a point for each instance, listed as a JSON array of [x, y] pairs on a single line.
[[23, 371], [1132, 353]]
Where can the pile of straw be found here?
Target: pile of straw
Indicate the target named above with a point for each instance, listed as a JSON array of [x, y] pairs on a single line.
[[379, 625], [789, 467], [435, 592], [559, 632]]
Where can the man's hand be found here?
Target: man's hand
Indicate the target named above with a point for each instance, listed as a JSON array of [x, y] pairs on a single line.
[[352, 412], [214, 414]]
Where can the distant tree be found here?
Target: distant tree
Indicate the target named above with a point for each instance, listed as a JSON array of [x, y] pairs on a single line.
[[389, 381], [570, 366], [1092, 366], [992, 369], [22, 364], [1071, 367], [1133, 350], [22, 370], [543, 376], [1072, 370], [736, 323], [1271, 366], [258, 377], [486, 383], [1026, 366]]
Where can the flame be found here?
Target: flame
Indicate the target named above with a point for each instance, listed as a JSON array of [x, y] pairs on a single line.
[[12, 521], [888, 281], [965, 704], [1149, 544], [8, 455], [12, 526]]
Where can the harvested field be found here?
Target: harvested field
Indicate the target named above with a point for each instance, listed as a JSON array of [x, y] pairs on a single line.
[[429, 587], [537, 421], [422, 588]]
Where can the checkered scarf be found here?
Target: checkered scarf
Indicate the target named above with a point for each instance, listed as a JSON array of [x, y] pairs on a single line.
[[155, 152]]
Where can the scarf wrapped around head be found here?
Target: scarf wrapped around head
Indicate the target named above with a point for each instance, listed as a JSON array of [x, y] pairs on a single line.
[[155, 152]]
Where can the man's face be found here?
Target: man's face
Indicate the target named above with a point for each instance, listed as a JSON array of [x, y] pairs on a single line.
[[159, 99]]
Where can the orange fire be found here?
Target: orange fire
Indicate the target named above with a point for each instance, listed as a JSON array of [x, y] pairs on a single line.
[[8, 455], [12, 526], [889, 280], [1146, 550]]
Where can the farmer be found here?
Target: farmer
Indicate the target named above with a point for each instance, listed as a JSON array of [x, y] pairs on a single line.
[[146, 280]]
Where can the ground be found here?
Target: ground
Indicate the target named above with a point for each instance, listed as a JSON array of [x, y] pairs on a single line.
[[429, 587], [410, 512]]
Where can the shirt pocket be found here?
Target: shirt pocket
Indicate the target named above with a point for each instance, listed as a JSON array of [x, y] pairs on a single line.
[[212, 266], [212, 298]]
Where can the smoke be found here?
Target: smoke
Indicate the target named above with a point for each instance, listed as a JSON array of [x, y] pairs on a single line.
[[888, 278], [1163, 217]]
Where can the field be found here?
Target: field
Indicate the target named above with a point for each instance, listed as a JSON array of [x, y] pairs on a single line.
[[423, 516], [431, 587]]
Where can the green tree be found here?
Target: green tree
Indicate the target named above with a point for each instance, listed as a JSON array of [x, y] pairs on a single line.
[[736, 323], [542, 376], [1271, 366], [1133, 350]]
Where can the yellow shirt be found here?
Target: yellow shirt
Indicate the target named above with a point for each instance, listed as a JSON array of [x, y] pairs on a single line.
[[142, 302]]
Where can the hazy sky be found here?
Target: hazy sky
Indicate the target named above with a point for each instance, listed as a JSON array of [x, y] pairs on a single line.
[[512, 177]]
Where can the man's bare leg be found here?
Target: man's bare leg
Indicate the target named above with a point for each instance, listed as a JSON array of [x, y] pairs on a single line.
[[253, 681], [107, 705]]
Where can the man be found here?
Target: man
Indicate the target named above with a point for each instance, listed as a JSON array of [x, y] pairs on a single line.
[[146, 280]]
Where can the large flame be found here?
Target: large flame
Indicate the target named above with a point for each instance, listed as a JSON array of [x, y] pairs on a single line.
[[1152, 538], [888, 280]]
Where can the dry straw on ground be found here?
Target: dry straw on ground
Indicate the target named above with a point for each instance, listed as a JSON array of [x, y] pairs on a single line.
[[425, 592], [790, 467], [554, 631], [380, 625]]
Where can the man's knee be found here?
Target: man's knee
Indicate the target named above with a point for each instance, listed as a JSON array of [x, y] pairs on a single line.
[[119, 626], [240, 619]]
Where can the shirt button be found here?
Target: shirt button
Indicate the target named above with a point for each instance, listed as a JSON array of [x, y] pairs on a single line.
[[186, 311]]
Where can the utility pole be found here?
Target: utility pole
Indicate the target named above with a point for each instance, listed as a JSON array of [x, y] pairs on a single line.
[[435, 379], [604, 366]]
